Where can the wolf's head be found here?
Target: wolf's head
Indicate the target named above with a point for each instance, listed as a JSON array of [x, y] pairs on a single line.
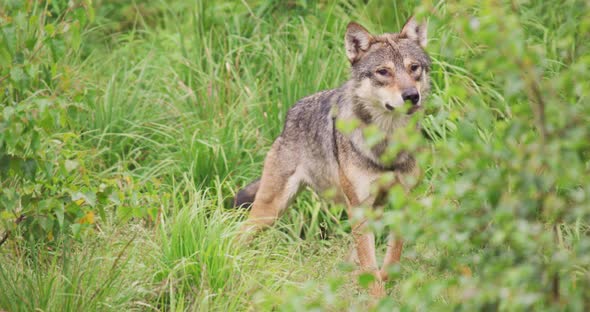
[[389, 69]]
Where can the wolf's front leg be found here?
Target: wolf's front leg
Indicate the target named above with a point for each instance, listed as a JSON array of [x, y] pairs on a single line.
[[363, 239], [392, 255], [365, 249]]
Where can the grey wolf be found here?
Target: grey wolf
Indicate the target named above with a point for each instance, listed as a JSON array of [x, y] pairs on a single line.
[[389, 81]]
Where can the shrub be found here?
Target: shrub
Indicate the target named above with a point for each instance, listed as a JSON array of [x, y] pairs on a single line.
[[507, 201]]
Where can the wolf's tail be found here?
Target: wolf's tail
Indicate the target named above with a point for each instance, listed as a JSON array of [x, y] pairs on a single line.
[[246, 195]]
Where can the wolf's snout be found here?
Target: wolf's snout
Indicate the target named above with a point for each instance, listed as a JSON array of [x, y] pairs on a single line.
[[412, 95]]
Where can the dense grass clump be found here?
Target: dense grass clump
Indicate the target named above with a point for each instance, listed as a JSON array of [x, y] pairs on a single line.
[[126, 128]]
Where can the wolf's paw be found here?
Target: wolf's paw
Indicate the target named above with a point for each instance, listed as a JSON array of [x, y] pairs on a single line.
[[377, 289], [244, 237]]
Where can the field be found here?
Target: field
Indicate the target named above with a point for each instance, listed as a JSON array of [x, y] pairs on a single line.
[[126, 128]]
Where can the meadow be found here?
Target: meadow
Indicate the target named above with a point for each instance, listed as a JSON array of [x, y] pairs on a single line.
[[126, 128]]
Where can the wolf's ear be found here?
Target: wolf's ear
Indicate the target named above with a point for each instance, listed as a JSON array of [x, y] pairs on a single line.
[[415, 31], [357, 41]]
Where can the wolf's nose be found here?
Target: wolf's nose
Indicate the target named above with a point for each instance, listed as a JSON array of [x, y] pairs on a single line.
[[412, 95]]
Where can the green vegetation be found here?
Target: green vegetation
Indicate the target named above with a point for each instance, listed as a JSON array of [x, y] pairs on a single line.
[[126, 128]]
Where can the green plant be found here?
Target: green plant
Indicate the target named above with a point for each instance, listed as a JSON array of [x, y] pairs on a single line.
[[38, 172], [121, 119]]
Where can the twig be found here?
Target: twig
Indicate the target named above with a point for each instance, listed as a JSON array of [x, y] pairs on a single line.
[[6, 234], [4, 237], [555, 281], [112, 271]]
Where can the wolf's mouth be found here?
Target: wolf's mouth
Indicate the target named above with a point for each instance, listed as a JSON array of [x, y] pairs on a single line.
[[388, 106], [414, 109]]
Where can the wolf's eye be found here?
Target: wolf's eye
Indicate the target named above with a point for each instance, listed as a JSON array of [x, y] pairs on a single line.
[[383, 72], [414, 67]]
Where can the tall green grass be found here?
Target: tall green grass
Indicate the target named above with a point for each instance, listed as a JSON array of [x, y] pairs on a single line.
[[104, 273], [173, 105]]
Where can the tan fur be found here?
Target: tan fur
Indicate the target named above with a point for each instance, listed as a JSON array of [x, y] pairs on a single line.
[[273, 195], [311, 152]]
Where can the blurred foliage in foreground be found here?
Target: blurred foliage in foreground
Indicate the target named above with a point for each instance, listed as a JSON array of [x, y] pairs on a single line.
[[115, 113], [510, 197]]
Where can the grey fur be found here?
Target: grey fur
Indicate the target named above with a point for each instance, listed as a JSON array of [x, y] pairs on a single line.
[[387, 70], [309, 140]]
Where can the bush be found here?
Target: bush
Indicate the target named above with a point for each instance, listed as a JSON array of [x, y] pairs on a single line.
[[115, 111], [507, 201], [39, 189]]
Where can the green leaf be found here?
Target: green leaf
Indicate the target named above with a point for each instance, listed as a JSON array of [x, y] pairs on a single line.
[[5, 56], [365, 279], [17, 74], [75, 228], [50, 29], [71, 165], [347, 126], [75, 35], [59, 215], [124, 213]]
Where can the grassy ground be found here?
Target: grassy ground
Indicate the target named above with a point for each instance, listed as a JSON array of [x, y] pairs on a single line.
[[178, 105]]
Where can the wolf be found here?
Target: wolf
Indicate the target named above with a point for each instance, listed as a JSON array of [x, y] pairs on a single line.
[[389, 81]]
